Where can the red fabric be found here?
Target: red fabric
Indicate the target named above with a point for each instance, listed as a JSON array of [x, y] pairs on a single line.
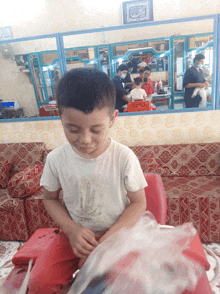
[[4, 173], [54, 260], [35, 246], [196, 159], [22, 155], [150, 165], [196, 200], [13, 224], [25, 182], [156, 197], [36, 213], [149, 88]]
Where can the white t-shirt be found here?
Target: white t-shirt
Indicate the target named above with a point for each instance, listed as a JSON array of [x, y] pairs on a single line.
[[138, 94], [94, 190]]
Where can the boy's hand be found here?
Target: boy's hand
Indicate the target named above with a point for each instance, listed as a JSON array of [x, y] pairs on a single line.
[[83, 241]]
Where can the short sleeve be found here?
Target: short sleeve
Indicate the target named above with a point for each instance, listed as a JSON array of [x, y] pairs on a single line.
[[50, 179], [134, 179]]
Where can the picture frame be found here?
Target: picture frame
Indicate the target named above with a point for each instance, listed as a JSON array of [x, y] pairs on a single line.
[[137, 11], [5, 33]]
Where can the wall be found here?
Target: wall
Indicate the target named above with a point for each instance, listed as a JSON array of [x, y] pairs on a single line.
[[37, 17], [152, 129], [17, 86], [64, 15]]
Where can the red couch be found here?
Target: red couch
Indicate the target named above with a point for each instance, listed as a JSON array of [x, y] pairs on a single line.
[[191, 178], [21, 217], [190, 174]]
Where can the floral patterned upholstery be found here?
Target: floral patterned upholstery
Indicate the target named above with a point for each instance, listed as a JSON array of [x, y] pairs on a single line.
[[191, 183], [185, 159], [13, 224], [13, 220], [22, 155], [191, 177]]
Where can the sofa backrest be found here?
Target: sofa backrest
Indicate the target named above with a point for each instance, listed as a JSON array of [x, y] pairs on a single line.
[[195, 159], [22, 155]]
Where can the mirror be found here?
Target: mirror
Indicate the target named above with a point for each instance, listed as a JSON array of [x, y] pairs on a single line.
[[29, 72], [168, 49]]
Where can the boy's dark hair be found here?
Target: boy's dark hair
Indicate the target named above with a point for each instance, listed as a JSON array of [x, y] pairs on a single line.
[[137, 81], [141, 70], [122, 67], [85, 89], [130, 65], [147, 68], [198, 57]]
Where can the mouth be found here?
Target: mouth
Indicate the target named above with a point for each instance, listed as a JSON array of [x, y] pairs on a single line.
[[85, 149]]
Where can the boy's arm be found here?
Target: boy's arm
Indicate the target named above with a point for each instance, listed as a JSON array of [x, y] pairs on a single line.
[[81, 239], [131, 214]]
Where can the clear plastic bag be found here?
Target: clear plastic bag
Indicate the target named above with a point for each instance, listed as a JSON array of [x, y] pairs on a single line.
[[143, 259]]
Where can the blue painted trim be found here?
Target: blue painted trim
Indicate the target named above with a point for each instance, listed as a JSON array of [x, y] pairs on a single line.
[[24, 119], [51, 81], [43, 79], [28, 38], [32, 77], [215, 60], [61, 54], [152, 23], [218, 64], [172, 71]]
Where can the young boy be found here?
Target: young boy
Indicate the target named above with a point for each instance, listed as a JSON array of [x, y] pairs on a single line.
[[137, 93], [102, 181]]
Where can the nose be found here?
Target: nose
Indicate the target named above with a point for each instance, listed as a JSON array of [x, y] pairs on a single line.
[[85, 138]]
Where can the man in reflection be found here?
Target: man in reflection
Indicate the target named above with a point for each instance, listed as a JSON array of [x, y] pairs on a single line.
[[121, 98], [127, 80], [147, 84], [194, 79]]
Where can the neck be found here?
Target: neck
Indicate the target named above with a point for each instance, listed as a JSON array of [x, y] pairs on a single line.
[[195, 67]]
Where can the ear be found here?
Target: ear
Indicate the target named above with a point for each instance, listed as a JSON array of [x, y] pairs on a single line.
[[114, 115]]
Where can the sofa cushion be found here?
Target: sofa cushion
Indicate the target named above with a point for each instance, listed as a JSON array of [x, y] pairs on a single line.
[[22, 155], [197, 200], [197, 159], [4, 173], [150, 165], [12, 218], [25, 182], [36, 213]]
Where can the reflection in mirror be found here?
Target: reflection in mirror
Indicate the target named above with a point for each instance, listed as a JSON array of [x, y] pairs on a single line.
[[167, 49], [29, 72]]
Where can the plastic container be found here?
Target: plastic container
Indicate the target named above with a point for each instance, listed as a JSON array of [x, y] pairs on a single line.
[[160, 84]]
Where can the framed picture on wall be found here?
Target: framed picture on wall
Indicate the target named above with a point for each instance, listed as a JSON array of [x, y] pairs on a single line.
[[5, 33], [137, 11]]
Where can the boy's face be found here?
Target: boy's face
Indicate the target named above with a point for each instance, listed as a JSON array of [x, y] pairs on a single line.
[[88, 133], [147, 74]]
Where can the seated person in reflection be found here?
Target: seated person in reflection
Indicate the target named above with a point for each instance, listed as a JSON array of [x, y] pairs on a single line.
[[193, 79], [127, 80], [121, 98], [147, 83], [138, 93], [102, 181]]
